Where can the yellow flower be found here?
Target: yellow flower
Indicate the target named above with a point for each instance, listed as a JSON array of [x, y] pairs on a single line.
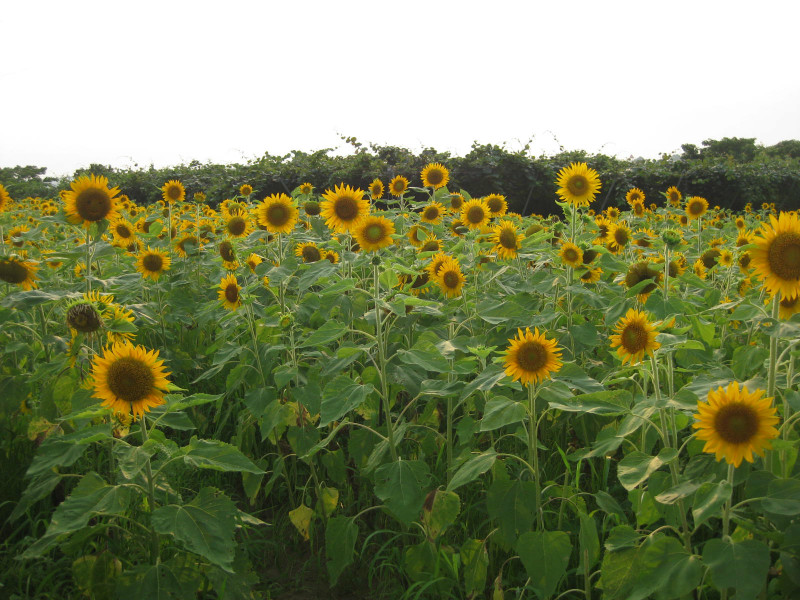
[[787, 307], [571, 254], [277, 213], [308, 251], [635, 195], [173, 191], [591, 275], [735, 423], [306, 188], [343, 207], [245, 190], [90, 200], [578, 184], [436, 264], [122, 230], [373, 233], [5, 198], [229, 292], [506, 239], [431, 244], [416, 235], [531, 357], [696, 207], [253, 261], [450, 278], [435, 175], [674, 196], [398, 185], [238, 227], [776, 260], [432, 213], [475, 214], [129, 379], [497, 204], [634, 337], [456, 202], [376, 189], [185, 245], [152, 263], [619, 236]]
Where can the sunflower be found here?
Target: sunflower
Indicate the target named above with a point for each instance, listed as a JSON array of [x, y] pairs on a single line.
[[435, 175], [83, 316], [696, 207], [456, 202], [432, 213], [612, 212], [186, 245], [531, 357], [638, 209], [788, 307], [5, 198], [571, 254], [376, 189], [15, 235], [331, 256], [373, 233], [578, 184], [603, 228], [343, 207], [229, 292], [710, 257], [436, 264], [152, 263], [743, 238], [699, 269], [506, 239], [398, 185], [674, 196], [475, 214], [677, 266], [431, 244], [416, 235], [245, 190], [199, 197], [450, 278], [19, 272], [122, 230], [90, 200], [735, 423], [129, 379], [497, 204], [238, 227], [640, 272], [619, 236], [744, 261], [725, 258], [635, 335], [635, 195], [277, 213], [776, 260], [305, 188], [118, 320], [457, 227], [308, 251], [173, 191], [253, 261], [591, 275]]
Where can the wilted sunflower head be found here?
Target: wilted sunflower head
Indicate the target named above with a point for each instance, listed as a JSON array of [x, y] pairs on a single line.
[[311, 207], [83, 316], [639, 272], [710, 257]]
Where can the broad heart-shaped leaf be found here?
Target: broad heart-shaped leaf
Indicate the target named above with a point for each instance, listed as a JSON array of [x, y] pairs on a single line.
[[484, 381], [618, 573], [742, 566], [91, 497], [500, 411], [609, 403], [301, 519], [545, 555], [708, 501], [475, 562], [472, 469], [513, 504], [665, 568], [635, 468], [589, 541], [329, 332], [204, 526], [341, 534], [439, 512], [174, 579], [401, 485], [218, 456], [341, 396], [783, 497], [132, 459], [96, 574]]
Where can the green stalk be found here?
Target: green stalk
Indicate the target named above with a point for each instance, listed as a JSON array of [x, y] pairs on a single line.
[[773, 349], [88, 261], [726, 519], [533, 451], [151, 496], [382, 363]]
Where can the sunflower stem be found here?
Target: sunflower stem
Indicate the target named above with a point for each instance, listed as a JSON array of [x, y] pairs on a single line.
[[88, 261], [382, 363], [151, 496], [533, 450], [773, 348], [666, 272]]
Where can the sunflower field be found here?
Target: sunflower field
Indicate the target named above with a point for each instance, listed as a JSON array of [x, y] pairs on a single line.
[[349, 393]]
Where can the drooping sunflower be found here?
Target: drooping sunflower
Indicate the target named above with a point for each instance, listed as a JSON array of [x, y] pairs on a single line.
[[373, 233], [253, 261], [725, 258], [710, 258], [699, 269], [152, 263], [696, 207], [743, 238], [343, 207], [475, 214], [277, 213], [674, 196], [744, 261], [186, 245], [83, 316], [19, 272], [245, 189], [788, 307], [735, 423], [619, 236], [531, 357], [331, 256], [90, 200], [603, 229], [173, 191], [634, 337], [432, 213], [416, 235], [431, 244], [639, 272], [635, 195], [238, 226], [118, 321], [14, 235], [590, 275], [129, 379], [776, 260], [229, 292], [398, 185], [571, 255], [308, 251], [497, 204], [5, 198], [376, 189], [450, 278], [578, 184], [506, 239], [435, 175]]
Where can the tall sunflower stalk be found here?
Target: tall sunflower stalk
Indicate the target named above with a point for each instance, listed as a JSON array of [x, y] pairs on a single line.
[[379, 334]]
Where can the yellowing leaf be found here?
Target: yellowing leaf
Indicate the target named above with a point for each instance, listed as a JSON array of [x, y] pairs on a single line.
[[301, 519]]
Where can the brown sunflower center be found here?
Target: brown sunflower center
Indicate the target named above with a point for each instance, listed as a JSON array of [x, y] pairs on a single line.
[[577, 185], [495, 204], [451, 280], [531, 356], [696, 207], [93, 204], [123, 231], [237, 226], [638, 209], [311, 207], [84, 318], [709, 257], [570, 254], [346, 208], [398, 187], [375, 190], [374, 233], [419, 281], [634, 338], [635, 197], [173, 192], [431, 213], [277, 215], [589, 256], [456, 201], [311, 254], [153, 262], [621, 236], [189, 239], [507, 239], [789, 302], [430, 246], [232, 293], [783, 256], [736, 423], [226, 252], [130, 379], [603, 230], [435, 177], [475, 214]]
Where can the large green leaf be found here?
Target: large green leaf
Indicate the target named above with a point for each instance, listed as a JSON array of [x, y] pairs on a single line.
[[666, 569], [401, 485], [171, 580], [513, 504], [545, 555], [475, 562], [472, 469], [708, 501], [218, 456], [341, 534], [329, 332], [439, 512], [636, 467], [589, 542], [609, 403], [341, 396], [783, 497], [500, 411], [742, 566], [204, 526]]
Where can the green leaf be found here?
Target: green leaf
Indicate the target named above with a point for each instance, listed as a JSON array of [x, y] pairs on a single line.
[[96, 575], [545, 555], [675, 493], [171, 580], [747, 360], [329, 332], [429, 358], [401, 485], [708, 501], [313, 273], [620, 537], [341, 396], [608, 503], [577, 378], [175, 402], [500, 411], [439, 512], [132, 459], [218, 456], [666, 569], [341, 534], [475, 562], [610, 403], [301, 518], [485, 381], [472, 469], [742, 566], [783, 497], [204, 526], [513, 504], [618, 573], [636, 467], [589, 542]]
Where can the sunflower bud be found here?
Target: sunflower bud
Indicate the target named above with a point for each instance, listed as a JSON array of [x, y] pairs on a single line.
[[84, 317], [311, 207], [672, 238], [286, 320]]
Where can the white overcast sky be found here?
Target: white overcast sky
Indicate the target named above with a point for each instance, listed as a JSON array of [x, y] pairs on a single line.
[[141, 82]]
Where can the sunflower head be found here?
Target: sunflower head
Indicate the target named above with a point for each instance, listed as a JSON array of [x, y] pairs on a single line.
[[475, 214], [432, 213], [343, 207], [90, 200], [571, 254], [531, 357], [776, 260], [634, 337], [376, 189], [506, 239], [578, 184], [228, 292], [19, 272], [497, 204], [674, 196], [5, 197], [639, 272], [311, 208], [435, 175], [619, 236], [83, 316], [173, 191], [308, 251], [450, 278], [373, 233], [634, 195], [456, 201], [245, 190], [416, 235], [696, 207], [277, 213], [152, 263], [736, 423]]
